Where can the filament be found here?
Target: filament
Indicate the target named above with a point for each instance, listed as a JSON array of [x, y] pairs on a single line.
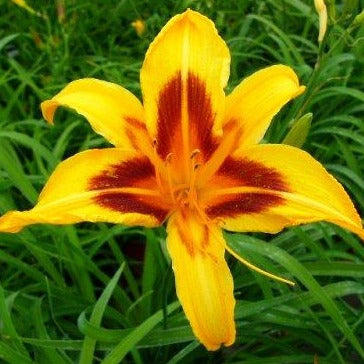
[[169, 177], [224, 149], [257, 269]]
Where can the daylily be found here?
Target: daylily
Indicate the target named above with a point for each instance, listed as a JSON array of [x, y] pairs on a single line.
[[189, 157]]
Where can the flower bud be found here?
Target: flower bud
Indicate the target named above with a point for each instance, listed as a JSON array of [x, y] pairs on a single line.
[[299, 131], [322, 12]]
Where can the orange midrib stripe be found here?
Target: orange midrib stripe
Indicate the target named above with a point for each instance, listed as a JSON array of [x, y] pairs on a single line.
[[184, 102]]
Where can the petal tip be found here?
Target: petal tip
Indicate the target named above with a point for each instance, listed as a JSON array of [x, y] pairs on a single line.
[[289, 72], [48, 108], [11, 223], [360, 232], [301, 89], [193, 13], [213, 346]]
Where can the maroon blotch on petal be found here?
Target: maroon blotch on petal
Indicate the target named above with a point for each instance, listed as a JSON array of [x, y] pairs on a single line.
[[199, 112], [130, 203], [124, 174], [201, 116], [137, 172], [245, 172], [246, 203], [169, 115]]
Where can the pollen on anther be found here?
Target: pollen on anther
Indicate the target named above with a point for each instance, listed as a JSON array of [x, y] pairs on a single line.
[[195, 153]]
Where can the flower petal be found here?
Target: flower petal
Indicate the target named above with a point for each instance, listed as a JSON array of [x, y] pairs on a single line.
[[109, 185], [255, 101], [182, 79], [268, 187], [203, 280], [111, 110]]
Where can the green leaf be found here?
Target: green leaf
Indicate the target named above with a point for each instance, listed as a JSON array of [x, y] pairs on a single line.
[[12, 356], [7, 329], [241, 243], [89, 343], [4, 41], [127, 343], [299, 131], [184, 352], [50, 354]]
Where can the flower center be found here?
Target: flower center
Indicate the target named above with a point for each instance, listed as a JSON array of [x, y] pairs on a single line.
[[181, 194]]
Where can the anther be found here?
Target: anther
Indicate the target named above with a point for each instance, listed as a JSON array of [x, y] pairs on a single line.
[[169, 158], [194, 153], [193, 168]]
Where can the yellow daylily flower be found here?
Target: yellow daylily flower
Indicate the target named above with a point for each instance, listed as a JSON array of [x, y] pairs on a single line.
[[189, 157]]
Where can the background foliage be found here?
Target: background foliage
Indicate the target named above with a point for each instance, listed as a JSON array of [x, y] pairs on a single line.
[[103, 293]]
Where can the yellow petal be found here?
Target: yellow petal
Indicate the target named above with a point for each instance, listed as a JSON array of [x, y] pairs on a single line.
[[268, 187], [203, 280], [255, 101], [182, 79], [109, 185], [110, 109]]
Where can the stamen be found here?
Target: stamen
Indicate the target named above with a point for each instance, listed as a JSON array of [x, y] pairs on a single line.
[[194, 153], [156, 169], [193, 168], [182, 199], [146, 146], [257, 269], [167, 163], [149, 148], [248, 264], [229, 140], [191, 187], [205, 220], [169, 158], [182, 186]]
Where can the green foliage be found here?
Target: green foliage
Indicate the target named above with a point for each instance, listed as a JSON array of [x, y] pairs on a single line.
[[298, 133], [64, 297]]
